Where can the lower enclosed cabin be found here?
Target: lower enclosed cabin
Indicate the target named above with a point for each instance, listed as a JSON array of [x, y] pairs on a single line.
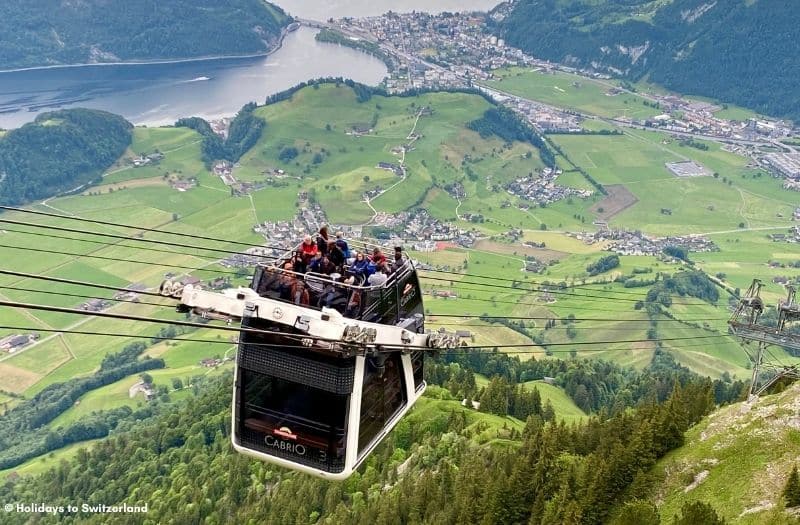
[[317, 413]]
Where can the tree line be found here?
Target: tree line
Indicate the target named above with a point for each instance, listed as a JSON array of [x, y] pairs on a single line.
[[456, 468], [22, 429], [506, 124], [243, 133], [37, 34]]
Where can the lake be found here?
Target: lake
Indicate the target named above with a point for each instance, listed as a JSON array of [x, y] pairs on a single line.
[[157, 94]]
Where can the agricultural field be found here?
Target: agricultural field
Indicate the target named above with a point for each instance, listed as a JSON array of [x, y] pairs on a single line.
[[41, 464], [636, 161], [578, 93], [339, 143]]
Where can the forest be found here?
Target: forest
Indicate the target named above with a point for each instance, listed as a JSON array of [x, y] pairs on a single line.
[[48, 32], [244, 132], [21, 429], [737, 51], [58, 152], [430, 469], [507, 125]]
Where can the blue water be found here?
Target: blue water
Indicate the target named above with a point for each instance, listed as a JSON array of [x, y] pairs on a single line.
[[155, 94]]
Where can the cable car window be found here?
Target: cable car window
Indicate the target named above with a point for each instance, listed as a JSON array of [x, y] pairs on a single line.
[[383, 395], [294, 420], [418, 368], [410, 296]]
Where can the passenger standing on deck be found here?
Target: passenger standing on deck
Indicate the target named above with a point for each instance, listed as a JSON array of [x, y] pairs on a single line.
[[398, 260], [378, 278], [298, 263], [336, 255], [316, 263], [322, 240], [359, 266], [342, 244], [299, 293], [286, 281]]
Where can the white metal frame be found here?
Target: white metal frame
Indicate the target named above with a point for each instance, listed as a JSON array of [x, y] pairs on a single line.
[[326, 324]]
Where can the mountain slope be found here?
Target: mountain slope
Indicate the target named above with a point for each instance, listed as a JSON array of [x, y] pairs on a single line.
[[734, 51], [737, 459], [49, 32]]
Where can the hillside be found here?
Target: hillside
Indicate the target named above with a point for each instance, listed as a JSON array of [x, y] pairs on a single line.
[[737, 459], [431, 469], [329, 141], [735, 51], [51, 32], [58, 152]]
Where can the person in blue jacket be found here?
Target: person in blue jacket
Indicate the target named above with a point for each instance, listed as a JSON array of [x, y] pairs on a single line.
[[360, 265]]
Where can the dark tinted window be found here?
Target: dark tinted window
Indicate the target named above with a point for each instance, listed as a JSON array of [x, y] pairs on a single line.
[[418, 367], [298, 402], [410, 296], [294, 421], [382, 397]]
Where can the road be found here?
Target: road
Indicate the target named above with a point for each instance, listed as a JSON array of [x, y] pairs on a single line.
[[412, 138]]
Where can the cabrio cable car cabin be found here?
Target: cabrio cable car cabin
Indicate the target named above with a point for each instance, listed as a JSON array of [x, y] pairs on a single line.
[[327, 364]]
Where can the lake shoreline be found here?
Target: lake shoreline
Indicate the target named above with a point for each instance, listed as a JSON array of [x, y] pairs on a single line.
[[153, 62]]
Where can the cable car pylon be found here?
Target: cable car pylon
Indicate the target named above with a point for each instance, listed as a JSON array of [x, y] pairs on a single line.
[[745, 323]]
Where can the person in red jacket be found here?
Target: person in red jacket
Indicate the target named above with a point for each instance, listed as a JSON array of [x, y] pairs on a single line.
[[378, 257], [308, 249]]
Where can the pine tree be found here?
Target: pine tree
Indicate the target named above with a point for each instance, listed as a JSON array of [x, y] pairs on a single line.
[[791, 492], [548, 413], [637, 512], [698, 513]]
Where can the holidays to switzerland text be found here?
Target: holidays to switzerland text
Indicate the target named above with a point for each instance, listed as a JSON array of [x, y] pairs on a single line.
[[85, 508]]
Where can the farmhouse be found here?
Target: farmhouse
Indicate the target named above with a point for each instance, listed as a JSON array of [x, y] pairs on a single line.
[[14, 342], [95, 305], [145, 388], [394, 168]]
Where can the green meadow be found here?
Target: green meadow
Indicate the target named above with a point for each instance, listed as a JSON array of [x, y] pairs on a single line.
[[570, 91], [339, 143]]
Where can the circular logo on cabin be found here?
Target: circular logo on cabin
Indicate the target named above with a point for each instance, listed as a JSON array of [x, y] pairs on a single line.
[[277, 313]]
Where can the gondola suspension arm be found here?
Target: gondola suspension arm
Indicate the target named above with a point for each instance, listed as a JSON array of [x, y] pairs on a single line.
[[323, 326]]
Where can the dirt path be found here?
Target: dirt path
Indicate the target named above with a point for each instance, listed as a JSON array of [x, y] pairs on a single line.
[[410, 137]]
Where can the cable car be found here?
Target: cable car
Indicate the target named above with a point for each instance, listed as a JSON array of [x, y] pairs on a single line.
[[326, 366]]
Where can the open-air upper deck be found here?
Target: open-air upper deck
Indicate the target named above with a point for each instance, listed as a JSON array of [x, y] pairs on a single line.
[[381, 293]]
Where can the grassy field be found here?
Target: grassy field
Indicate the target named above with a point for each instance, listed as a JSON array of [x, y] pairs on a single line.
[[564, 407], [565, 90], [42, 464], [338, 164], [637, 161], [428, 410], [566, 410], [739, 457]]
